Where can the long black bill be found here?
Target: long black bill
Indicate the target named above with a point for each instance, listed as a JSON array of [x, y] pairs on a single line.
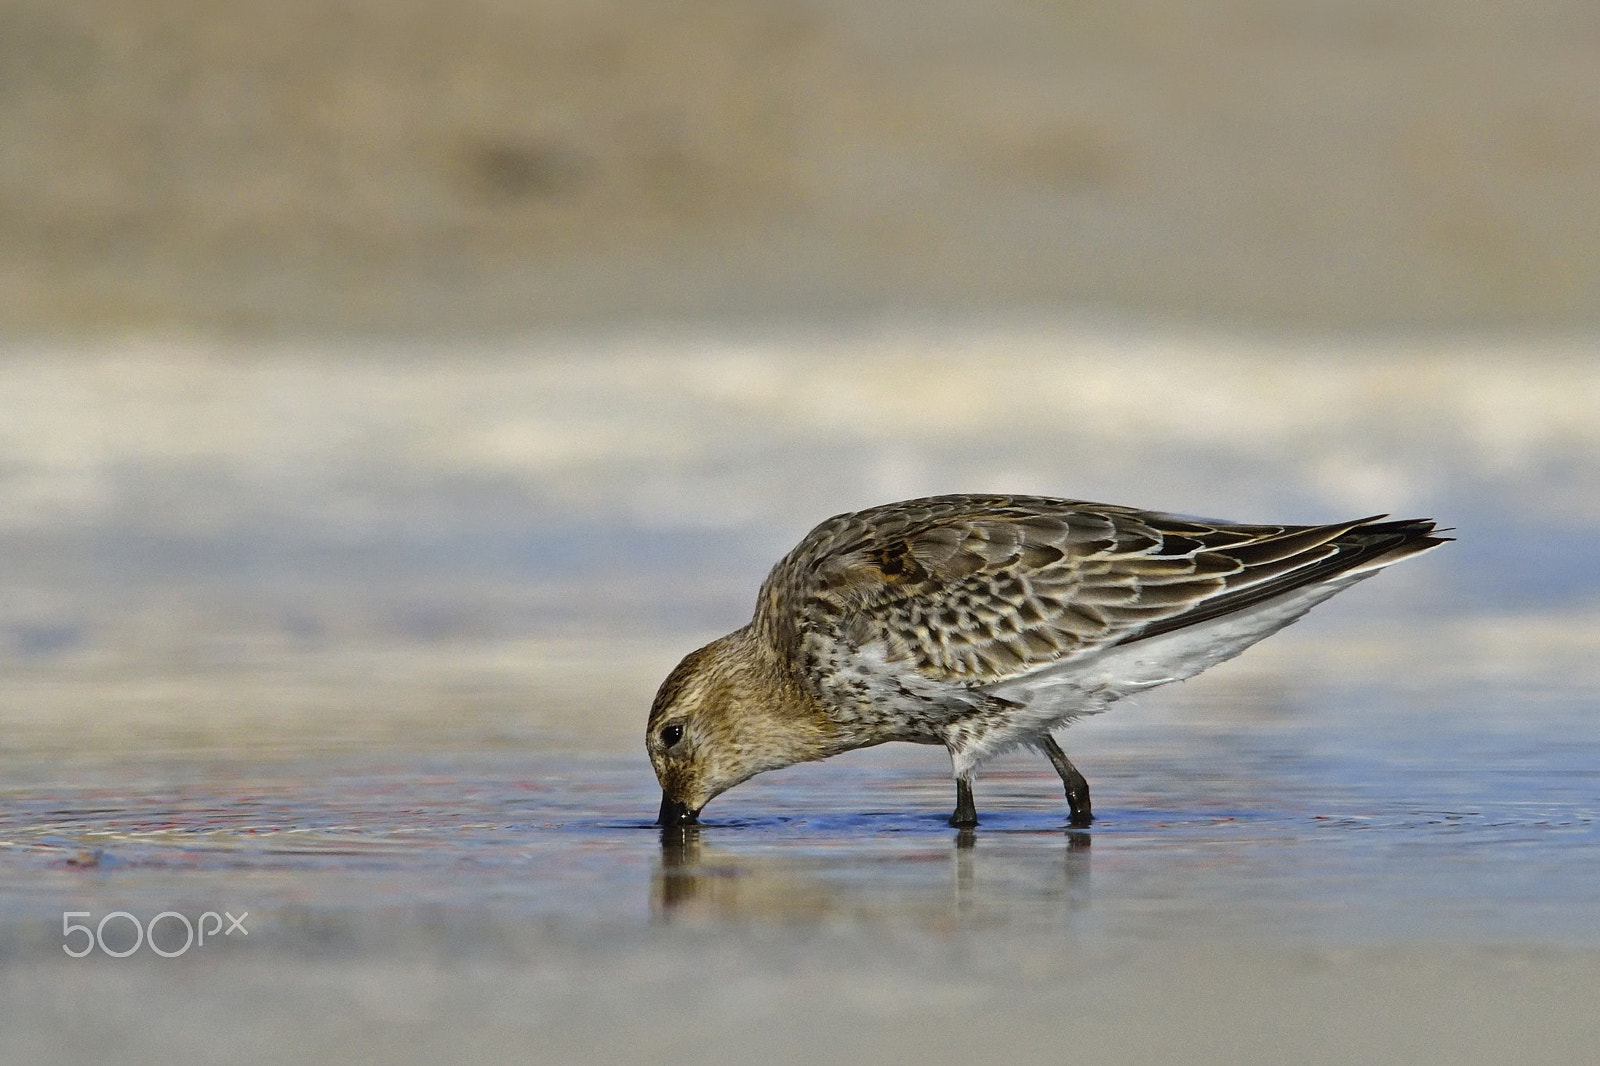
[[675, 812]]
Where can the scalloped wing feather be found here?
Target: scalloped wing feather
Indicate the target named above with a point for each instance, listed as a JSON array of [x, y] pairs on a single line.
[[983, 590]]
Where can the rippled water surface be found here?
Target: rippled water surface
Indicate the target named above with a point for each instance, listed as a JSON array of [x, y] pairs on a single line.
[[358, 651], [1309, 827]]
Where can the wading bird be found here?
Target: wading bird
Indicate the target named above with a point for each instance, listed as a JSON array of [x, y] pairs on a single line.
[[982, 623]]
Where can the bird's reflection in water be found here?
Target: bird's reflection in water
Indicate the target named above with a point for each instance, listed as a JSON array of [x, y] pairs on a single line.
[[696, 882], [997, 875]]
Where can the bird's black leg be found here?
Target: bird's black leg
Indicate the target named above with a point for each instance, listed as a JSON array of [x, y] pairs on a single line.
[[1082, 813], [966, 815]]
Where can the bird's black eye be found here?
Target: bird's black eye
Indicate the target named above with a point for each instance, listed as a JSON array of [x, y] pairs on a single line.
[[671, 734]]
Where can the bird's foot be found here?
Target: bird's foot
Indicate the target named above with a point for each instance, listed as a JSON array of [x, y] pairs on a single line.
[[966, 813], [1078, 803], [1075, 784]]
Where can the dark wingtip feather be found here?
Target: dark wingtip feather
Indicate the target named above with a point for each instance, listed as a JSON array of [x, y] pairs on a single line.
[[1343, 549], [1407, 537]]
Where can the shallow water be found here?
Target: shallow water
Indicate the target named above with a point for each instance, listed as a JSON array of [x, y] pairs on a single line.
[[1352, 828], [531, 897], [360, 650]]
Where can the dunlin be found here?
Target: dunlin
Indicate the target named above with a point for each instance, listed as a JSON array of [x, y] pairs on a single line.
[[982, 623]]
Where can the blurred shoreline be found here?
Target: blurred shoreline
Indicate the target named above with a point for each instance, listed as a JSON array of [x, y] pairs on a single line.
[[430, 169], [206, 541]]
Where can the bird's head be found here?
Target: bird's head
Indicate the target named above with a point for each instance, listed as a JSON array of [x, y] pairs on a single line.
[[724, 714]]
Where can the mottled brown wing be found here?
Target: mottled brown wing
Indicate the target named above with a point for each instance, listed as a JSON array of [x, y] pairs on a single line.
[[985, 589]]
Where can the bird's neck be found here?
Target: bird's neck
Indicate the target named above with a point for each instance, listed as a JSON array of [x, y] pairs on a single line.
[[770, 689]]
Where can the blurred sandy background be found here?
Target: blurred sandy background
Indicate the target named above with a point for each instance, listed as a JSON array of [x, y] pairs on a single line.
[[506, 165]]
